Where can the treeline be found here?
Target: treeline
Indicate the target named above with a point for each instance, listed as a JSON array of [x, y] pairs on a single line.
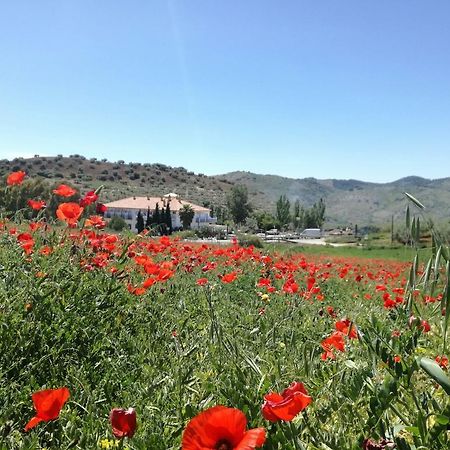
[[240, 211]]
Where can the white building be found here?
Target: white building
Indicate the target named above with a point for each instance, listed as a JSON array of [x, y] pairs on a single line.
[[128, 209]]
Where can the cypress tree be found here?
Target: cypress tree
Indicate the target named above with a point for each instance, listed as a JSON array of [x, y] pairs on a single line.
[[168, 218], [156, 215], [140, 222], [148, 221]]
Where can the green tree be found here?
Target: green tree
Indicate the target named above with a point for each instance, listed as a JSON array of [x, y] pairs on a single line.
[[186, 216], [296, 216], [283, 211], [156, 215], [140, 225], [318, 212], [168, 218], [265, 220], [149, 219], [117, 223], [238, 205]]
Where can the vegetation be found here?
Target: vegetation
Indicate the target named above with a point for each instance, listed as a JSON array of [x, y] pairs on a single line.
[[238, 205], [186, 215], [315, 351]]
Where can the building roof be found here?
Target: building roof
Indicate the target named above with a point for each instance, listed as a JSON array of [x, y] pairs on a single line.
[[143, 203]]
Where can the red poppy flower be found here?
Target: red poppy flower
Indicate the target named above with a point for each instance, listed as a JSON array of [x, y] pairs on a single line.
[[346, 327], [123, 422], [15, 178], [64, 191], [221, 428], [36, 204], [89, 198], [95, 222], [336, 340], [287, 405], [48, 404], [100, 208], [442, 361], [229, 277], [202, 281], [69, 212]]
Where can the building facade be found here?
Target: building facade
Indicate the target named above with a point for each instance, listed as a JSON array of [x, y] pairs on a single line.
[[128, 209]]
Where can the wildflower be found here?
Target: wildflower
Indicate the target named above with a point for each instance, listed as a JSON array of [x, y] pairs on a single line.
[[123, 422], [229, 277], [89, 198], [201, 281], [36, 204], [221, 428], [15, 178], [100, 208], [48, 404], [370, 444], [287, 405], [336, 340], [442, 361], [64, 191], [346, 327], [69, 213], [95, 222]]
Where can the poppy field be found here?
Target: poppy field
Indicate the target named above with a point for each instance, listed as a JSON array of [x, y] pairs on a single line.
[[141, 342]]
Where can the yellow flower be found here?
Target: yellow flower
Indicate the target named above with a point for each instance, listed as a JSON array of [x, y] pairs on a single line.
[[265, 298]]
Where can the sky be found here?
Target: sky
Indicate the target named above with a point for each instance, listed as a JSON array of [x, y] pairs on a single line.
[[320, 88]]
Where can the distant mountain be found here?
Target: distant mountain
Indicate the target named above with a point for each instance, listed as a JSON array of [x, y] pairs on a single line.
[[350, 201], [347, 201]]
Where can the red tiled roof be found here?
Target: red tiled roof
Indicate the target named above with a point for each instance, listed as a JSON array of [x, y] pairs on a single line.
[[143, 203]]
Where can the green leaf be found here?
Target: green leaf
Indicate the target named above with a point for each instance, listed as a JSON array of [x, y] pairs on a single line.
[[432, 368], [414, 200]]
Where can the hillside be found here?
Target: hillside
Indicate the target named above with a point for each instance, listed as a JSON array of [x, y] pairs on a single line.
[[350, 201], [120, 179], [347, 201]]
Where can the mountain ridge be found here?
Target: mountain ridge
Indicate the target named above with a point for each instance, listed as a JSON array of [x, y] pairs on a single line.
[[348, 201]]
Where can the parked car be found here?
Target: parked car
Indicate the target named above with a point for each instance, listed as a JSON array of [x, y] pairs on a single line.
[[311, 233]]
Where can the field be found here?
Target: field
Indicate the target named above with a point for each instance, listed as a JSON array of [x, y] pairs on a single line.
[[172, 329]]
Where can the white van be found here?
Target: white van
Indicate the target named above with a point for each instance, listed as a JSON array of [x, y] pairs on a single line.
[[311, 233]]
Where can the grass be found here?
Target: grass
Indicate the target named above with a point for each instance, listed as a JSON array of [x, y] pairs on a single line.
[[122, 321]]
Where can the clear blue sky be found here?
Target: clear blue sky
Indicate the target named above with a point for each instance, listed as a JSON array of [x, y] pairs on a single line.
[[318, 88]]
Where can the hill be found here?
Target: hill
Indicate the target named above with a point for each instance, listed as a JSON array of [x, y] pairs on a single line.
[[120, 179], [350, 201], [347, 201]]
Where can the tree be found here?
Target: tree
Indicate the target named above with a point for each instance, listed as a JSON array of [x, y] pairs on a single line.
[[283, 211], [168, 218], [186, 216], [238, 205], [265, 220], [117, 223], [156, 215], [319, 213], [149, 219], [140, 222], [296, 216]]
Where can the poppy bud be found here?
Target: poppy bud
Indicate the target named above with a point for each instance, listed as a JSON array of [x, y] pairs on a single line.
[[123, 422]]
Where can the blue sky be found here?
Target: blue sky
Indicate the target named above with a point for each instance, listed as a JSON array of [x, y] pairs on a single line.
[[326, 89]]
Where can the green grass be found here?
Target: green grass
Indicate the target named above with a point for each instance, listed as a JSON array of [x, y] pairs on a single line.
[[403, 253], [75, 318]]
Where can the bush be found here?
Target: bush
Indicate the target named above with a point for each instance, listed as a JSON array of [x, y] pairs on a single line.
[[246, 240], [117, 223], [206, 232], [185, 234]]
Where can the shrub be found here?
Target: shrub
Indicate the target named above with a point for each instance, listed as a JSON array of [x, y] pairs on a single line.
[[246, 240], [117, 223]]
